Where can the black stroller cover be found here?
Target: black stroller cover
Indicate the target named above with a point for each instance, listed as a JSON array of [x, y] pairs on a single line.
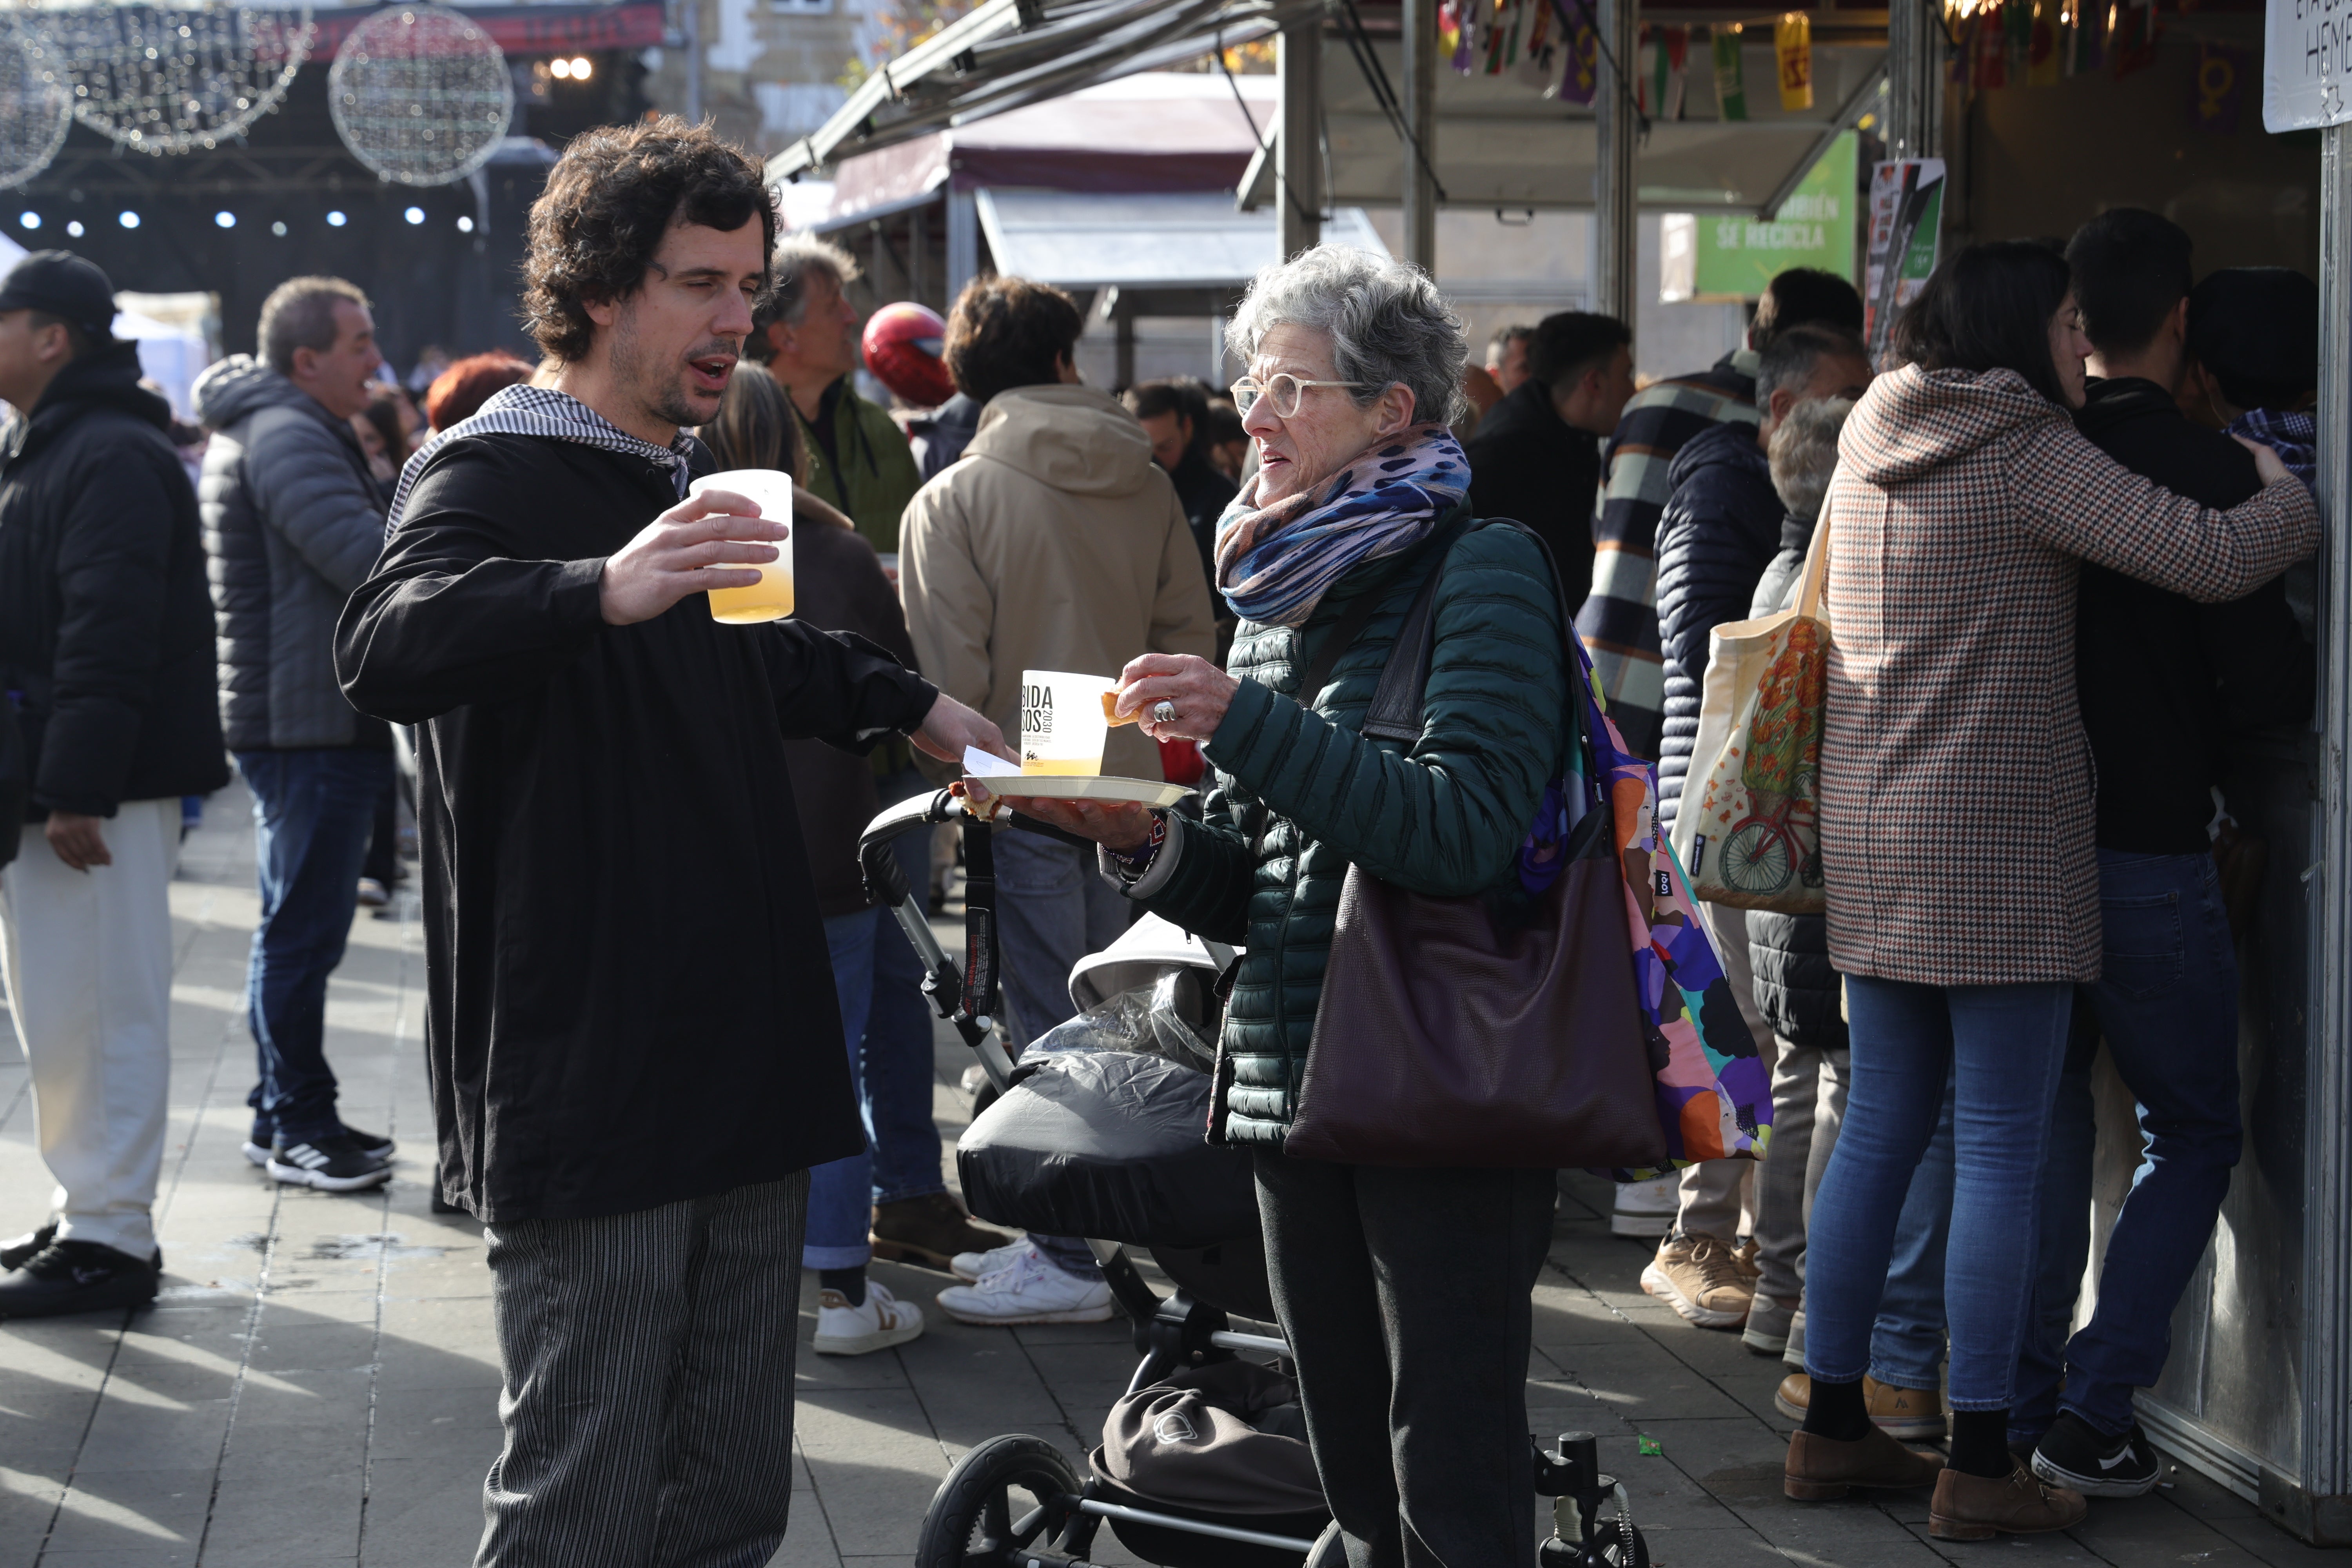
[[1108, 1144], [1228, 1437]]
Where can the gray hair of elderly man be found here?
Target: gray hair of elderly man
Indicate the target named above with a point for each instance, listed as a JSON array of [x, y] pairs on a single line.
[[1805, 453], [1387, 323]]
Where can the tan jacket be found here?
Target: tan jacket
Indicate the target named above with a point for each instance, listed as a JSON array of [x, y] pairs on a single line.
[[1054, 542], [1957, 816]]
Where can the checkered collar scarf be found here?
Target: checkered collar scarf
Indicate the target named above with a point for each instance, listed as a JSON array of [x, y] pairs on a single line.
[[555, 416]]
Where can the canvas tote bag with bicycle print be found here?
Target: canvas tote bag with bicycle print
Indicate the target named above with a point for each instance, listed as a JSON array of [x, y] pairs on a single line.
[[1749, 829]]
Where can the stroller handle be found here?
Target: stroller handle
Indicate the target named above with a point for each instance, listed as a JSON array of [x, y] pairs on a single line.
[[965, 997]]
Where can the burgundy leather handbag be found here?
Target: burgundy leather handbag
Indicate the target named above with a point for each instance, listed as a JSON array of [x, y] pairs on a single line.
[[1450, 1033]]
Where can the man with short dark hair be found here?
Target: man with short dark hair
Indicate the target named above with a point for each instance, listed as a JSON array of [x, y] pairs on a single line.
[[1536, 455], [1620, 620], [106, 654], [806, 331], [1175, 415], [1719, 530], [1506, 356], [2253, 362], [293, 519], [2168, 689], [1055, 544], [632, 1025]]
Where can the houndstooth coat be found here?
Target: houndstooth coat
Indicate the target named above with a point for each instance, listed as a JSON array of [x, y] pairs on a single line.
[[1957, 822]]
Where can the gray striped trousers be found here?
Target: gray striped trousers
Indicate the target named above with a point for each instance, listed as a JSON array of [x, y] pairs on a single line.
[[648, 1397]]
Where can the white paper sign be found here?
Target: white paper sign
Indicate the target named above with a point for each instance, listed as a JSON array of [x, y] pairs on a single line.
[[980, 764], [2307, 64]]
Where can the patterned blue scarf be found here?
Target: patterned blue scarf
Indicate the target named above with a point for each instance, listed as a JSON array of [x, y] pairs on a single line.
[[1274, 564], [2293, 436]]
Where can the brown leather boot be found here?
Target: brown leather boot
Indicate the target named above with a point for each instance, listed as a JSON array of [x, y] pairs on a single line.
[[1976, 1507], [1819, 1467], [928, 1231]]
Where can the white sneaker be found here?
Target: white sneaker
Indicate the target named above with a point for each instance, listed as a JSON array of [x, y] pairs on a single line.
[[1646, 1208], [885, 1320], [1029, 1289], [968, 1267]]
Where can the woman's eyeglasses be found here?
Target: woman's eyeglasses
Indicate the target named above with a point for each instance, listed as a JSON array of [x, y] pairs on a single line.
[[1284, 390]]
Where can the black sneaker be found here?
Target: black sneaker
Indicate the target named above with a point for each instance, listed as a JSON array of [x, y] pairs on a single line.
[[76, 1277], [374, 1144], [22, 1250], [332, 1165], [2074, 1453]]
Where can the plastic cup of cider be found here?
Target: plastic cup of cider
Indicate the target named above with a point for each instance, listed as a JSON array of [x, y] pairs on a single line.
[[770, 598], [1061, 724]]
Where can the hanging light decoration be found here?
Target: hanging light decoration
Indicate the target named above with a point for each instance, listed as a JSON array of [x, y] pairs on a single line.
[[36, 103], [420, 94], [175, 78]]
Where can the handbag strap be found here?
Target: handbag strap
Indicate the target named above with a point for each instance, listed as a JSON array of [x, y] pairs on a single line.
[[1816, 580], [1397, 704], [1342, 636]]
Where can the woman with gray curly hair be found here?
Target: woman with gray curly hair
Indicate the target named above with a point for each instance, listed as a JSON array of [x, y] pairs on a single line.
[[1404, 1292]]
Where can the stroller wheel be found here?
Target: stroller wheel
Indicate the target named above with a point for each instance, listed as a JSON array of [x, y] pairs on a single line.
[[1619, 1545], [1004, 1495], [1614, 1544]]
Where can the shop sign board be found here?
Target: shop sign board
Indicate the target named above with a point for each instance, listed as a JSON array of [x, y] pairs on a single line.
[[2307, 64], [1728, 256], [1906, 221]]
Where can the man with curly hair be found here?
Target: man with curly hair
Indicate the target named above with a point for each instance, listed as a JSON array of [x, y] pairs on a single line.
[[635, 1042]]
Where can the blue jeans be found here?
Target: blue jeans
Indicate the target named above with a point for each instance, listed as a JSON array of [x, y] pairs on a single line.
[[2000, 1048], [899, 1068], [2168, 1006], [312, 812], [1906, 1343], [1053, 908], [841, 1192]]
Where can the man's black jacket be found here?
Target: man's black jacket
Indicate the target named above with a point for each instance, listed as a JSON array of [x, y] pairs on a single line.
[[1719, 530], [1204, 494], [629, 997], [105, 633], [1528, 464], [2164, 680]]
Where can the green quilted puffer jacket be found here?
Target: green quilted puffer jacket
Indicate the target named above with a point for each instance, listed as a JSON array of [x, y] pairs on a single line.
[[1445, 816]]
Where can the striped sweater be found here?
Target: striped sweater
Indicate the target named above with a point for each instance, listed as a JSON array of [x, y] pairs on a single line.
[[1620, 620]]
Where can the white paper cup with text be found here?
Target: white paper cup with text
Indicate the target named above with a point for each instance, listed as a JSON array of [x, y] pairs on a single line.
[[1061, 724], [770, 598]]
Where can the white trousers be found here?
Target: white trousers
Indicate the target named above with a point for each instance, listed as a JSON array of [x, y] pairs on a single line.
[[88, 959], [1718, 1196]]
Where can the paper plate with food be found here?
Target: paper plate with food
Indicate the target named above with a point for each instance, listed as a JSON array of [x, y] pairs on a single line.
[[1064, 720]]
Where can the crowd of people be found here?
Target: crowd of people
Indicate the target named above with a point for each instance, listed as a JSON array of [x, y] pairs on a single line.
[[671, 1074]]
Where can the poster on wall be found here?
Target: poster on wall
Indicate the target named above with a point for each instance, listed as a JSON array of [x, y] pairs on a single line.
[[1906, 218], [2306, 63], [1726, 256]]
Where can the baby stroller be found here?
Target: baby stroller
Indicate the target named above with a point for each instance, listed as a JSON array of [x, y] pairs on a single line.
[[1097, 1133]]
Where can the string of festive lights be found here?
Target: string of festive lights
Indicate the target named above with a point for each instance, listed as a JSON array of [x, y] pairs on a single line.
[[35, 107], [173, 77], [420, 94]]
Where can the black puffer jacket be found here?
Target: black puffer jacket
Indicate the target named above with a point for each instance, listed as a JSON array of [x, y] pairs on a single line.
[[105, 637], [1715, 539], [293, 521], [1796, 985]]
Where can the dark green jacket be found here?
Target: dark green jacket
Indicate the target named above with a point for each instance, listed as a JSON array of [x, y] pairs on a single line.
[[877, 475], [1445, 818]]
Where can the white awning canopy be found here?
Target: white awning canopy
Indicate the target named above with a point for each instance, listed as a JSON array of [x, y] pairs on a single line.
[[1187, 240], [1500, 142]]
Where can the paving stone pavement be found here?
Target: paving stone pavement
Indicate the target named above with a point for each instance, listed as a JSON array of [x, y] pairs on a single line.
[[317, 1384]]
